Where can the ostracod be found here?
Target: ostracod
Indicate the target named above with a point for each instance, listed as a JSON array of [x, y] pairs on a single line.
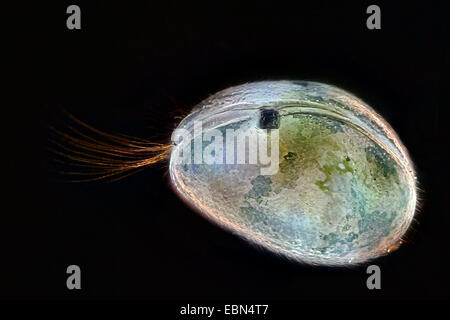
[[303, 169]]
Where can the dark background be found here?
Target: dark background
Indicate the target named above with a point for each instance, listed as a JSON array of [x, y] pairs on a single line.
[[131, 69]]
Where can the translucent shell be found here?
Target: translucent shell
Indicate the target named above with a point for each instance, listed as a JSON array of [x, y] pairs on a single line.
[[345, 188]]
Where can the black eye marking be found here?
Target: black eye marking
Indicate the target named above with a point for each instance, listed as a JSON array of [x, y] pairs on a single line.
[[269, 119]]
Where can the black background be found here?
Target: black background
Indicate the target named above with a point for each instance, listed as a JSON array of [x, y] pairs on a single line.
[[131, 69]]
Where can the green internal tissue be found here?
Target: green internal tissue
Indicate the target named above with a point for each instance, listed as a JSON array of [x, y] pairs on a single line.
[[347, 195]]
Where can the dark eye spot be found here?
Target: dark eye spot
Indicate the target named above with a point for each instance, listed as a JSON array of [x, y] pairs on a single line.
[[269, 119]]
